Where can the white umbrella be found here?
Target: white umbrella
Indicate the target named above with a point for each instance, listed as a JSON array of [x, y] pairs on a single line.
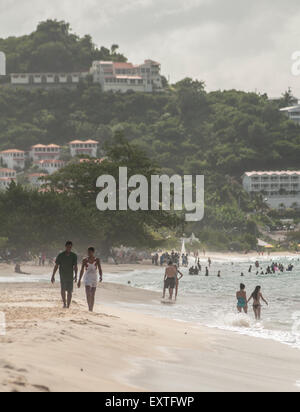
[[183, 249]]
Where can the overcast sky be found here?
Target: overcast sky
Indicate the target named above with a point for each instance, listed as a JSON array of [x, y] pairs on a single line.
[[227, 43]]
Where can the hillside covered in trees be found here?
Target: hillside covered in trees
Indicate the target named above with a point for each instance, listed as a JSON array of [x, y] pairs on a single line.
[[184, 130], [54, 48]]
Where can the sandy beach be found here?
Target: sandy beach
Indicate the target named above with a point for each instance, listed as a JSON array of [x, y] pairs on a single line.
[[48, 349]]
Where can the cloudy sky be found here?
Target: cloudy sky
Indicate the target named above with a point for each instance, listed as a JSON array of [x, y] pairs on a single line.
[[227, 43]]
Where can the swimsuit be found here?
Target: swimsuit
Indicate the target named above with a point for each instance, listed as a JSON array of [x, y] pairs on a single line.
[[241, 302], [91, 277]]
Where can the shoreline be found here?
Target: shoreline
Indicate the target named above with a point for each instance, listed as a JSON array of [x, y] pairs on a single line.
[[49, 349]]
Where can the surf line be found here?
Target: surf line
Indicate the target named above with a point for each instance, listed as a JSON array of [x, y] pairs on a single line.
[[163, 193]]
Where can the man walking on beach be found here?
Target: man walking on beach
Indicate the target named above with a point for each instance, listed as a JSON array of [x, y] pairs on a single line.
[[66, 262], [170, 279]]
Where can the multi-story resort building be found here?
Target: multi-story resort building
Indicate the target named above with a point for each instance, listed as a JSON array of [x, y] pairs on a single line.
[[6, 177], [13, 159], [37, 179], [87, 147], [123, 77], [47, 80], [41, 152], [50, 165], [293, 112], [280, 188], [113, 76]]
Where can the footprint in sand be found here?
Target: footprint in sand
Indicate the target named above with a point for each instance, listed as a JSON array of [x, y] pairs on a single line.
[[41, 388]]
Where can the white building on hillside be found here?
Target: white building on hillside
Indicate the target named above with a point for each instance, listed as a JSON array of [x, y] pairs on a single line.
[[41, 152], [37, 179], [97, 161], [293, 113], [50, 165], [47, 79], [278, 188], [123, 77], [13, 159], [6, 177], [87, 147]]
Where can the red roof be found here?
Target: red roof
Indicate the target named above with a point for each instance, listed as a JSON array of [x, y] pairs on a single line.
[[12, 151], [41, 162], [4, 170], [45, 146], [120, 66], [37, 175], [84, 142]]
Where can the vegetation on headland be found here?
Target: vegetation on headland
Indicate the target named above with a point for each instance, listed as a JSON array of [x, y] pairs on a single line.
[[53, 47], [186, 130]]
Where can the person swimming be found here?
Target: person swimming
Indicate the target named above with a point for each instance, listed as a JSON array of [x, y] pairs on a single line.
[[241, 296]]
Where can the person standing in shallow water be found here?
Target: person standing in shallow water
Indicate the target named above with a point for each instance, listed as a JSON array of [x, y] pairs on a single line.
[[257, 297], [66, 262], [91, 266], [241, 296]]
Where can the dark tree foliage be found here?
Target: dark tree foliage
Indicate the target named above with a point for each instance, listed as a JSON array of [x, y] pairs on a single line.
[[54, 48]]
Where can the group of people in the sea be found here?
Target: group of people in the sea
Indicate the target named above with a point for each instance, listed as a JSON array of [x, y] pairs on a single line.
[[173, 276], [274, 268]]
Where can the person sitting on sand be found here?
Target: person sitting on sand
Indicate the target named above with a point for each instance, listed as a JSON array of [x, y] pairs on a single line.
[[257, 297], [66, 262], [241, 296], [90, 266], [170, 279]]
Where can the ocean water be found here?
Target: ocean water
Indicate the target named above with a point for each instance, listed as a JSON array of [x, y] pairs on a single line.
[[212, 301]]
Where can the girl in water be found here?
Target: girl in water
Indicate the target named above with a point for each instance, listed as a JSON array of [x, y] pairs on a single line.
[[90, 266], [241, 296], [257, 297]]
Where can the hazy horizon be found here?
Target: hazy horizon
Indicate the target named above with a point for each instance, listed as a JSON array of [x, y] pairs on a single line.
[[237, 45]]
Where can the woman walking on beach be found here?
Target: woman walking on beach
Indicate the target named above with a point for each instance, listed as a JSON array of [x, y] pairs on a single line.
[[257, 297], [241, 296], [90, 266]]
